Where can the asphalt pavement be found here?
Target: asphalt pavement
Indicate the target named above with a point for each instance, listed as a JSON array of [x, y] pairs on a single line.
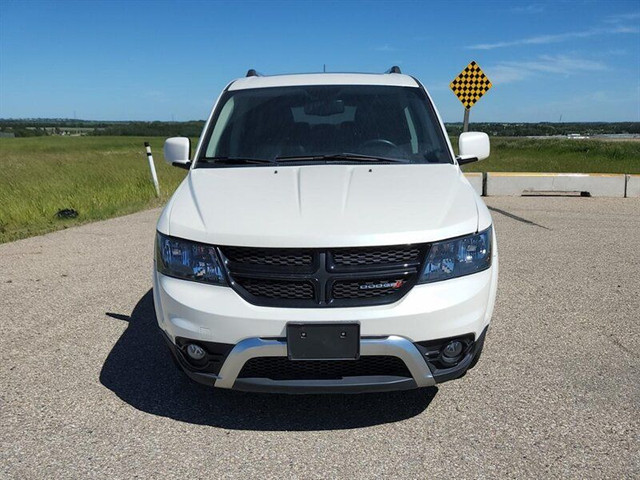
[[87, 389]]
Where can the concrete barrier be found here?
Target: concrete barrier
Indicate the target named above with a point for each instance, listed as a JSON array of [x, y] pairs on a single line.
[[523, 183], [475, 179], [633, 185]]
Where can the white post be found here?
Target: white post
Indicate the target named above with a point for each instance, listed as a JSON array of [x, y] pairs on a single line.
[[152, 167]]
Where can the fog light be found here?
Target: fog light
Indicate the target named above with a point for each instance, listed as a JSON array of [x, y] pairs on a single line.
[[452, 349], [195, 352], [452, 352]]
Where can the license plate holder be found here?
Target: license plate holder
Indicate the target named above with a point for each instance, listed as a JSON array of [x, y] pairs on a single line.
[[323, 341]]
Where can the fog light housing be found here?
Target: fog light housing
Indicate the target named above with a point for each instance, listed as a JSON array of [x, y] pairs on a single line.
[[452, 352], [195, 352]]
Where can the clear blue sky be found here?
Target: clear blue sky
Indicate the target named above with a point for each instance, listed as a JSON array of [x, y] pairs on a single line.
[[144, 60]]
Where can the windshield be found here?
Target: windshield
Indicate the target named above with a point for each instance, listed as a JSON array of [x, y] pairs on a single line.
[[325, 121]]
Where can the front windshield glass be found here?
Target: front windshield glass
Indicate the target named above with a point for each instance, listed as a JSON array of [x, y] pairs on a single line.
[[325, 120]]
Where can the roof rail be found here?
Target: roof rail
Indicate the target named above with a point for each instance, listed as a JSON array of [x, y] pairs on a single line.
[[394, 69], [253, 73]]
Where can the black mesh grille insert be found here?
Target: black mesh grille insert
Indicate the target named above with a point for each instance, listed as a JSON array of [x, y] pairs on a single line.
[[348, 257], [281, 368], [278, 288], [364, 289], [269, 256], [323, 277]]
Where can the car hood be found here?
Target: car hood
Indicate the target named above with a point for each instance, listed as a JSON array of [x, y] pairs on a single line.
[[322, 205]]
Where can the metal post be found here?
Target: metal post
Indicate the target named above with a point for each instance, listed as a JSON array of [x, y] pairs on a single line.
[[152, 167], [465, 125]]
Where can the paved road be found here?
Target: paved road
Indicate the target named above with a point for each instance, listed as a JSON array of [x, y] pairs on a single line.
[[88, 390]]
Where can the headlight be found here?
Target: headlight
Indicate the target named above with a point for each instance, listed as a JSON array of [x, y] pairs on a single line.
[[458, 257], [188, 260]]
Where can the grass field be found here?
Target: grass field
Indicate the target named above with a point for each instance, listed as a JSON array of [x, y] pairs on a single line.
[[102, 177], [512, 154], [99, 177]]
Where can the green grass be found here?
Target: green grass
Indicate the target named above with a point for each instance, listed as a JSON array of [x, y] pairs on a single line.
[[100, 177], [103, 177], [559, 155]]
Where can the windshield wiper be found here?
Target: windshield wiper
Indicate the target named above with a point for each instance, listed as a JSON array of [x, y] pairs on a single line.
[[353, 157], [236, 160], [349, 157]]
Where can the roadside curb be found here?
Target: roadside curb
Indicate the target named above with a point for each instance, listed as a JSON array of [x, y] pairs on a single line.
[[534, 183]]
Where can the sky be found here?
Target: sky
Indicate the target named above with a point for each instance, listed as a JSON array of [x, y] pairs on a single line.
[[169, 60]]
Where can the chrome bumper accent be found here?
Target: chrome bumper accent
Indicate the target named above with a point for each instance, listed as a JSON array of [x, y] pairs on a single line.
[[391, 346]]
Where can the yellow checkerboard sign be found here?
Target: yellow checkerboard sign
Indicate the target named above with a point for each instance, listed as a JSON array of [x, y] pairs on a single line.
[[470, 85]]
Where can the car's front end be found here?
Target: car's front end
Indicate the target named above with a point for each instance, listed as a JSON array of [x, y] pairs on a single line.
[[348, 274], [411, 334]]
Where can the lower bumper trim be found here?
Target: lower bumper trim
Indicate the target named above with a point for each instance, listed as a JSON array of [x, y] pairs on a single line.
[[413, 356], [344, 385], [392, 346]]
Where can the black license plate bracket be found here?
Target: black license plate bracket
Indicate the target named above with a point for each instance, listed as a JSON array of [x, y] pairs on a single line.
[[323, 341]]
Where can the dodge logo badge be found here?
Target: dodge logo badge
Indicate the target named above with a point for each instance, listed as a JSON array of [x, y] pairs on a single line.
[[373, 286]]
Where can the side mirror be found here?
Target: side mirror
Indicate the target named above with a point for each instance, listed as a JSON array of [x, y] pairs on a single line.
[[473, 146], [177, 152]]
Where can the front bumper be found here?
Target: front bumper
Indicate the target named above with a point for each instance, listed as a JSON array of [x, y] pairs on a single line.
[[239, 331]]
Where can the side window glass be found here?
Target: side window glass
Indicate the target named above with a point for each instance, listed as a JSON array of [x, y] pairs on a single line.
[[221, 124]]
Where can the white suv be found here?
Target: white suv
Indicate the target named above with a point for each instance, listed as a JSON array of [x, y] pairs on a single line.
[[325, 240]]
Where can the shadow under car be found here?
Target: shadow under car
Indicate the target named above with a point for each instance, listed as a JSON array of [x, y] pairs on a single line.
[[140, 371]]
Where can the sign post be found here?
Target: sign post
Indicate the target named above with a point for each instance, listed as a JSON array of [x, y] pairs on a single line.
[[469, 86], [465, 122]]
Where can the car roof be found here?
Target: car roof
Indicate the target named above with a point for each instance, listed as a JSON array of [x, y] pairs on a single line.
[[390, 79]]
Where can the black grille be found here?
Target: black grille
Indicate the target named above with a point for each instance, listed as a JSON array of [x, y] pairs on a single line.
[[336, 277], [269, 256], [399, 255], [277, 289], [364, 289], [281, 368]]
